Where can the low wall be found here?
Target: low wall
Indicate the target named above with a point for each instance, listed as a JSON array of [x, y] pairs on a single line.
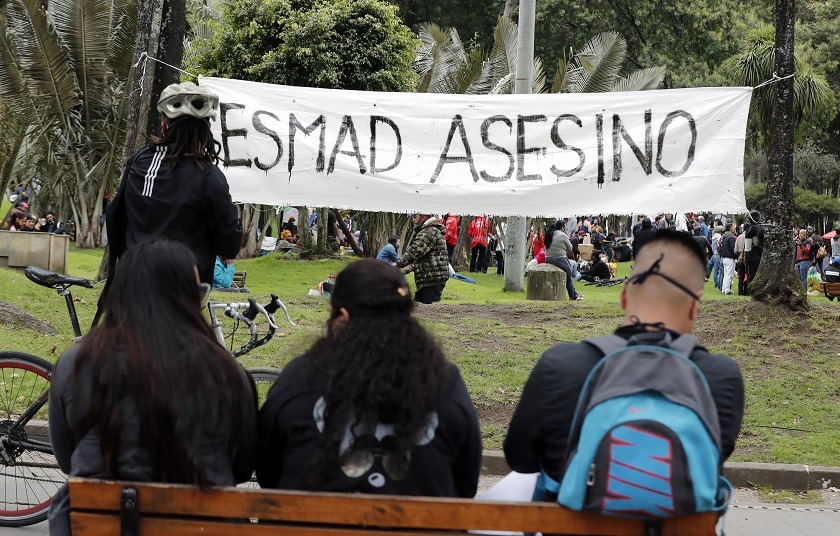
[[44, 250]]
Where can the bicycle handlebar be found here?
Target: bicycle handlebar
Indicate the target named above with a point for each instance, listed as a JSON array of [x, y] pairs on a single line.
[[250, 311]]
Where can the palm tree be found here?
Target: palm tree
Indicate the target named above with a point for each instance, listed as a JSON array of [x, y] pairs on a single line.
[[445, 65], [755, 64], [63, 74]]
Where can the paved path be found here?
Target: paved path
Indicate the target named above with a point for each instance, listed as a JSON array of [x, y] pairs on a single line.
[[745, 517]]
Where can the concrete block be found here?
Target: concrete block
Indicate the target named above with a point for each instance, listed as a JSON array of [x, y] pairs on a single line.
[[775, 475]]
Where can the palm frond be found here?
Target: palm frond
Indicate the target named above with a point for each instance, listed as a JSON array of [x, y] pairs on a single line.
[[560, 82], [641, 80], [122, 33], [597, 65], [438, 58], [12, 83], [43, 59], [501, 62], [537, 77], [810, 90], [83, 28]]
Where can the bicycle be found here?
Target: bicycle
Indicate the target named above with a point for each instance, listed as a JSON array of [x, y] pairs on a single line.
[[264, 377], [28, 469]]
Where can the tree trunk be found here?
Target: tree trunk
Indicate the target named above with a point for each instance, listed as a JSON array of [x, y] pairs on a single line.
[[357, 251], [250, 217], [322, 221], [160, 34], [461, 256], [775, 282], [161, 25], [304, 231]]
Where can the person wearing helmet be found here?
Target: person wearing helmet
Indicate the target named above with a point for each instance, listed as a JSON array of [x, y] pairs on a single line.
[[172, 188]]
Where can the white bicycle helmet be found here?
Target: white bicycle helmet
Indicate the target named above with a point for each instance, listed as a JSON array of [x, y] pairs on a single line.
[[188, 99]]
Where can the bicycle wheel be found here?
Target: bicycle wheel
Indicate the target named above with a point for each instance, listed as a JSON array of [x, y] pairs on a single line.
[[29, 478], [264, 378]]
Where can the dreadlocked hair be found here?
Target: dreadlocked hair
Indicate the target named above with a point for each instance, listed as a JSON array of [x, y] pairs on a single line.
[[383, 365], [189, 137]]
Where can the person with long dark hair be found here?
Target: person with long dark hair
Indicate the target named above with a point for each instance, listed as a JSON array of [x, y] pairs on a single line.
[[558, 248], [373, 406], [173, 188], [149, 394]]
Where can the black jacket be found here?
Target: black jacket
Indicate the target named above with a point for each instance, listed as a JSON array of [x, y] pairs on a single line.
[[190, 204], [642, 237], [599, 270], [70, 402], [539, 430], [446, 464], [727, 246]]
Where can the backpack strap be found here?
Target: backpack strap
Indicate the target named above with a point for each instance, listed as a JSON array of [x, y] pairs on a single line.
[[608, 344]]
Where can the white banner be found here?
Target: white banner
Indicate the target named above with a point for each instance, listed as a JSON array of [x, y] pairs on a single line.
[[677, 150]]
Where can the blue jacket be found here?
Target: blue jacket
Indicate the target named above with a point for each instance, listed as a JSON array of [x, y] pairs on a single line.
[[222, 274], [388, 254]]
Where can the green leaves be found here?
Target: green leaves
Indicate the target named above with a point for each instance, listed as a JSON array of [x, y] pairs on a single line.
[[62, 84], [755, 64], [596, 69], [445, 66], [342, 44]]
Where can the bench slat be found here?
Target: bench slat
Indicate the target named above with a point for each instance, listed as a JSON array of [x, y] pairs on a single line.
[[86, 524], [368, 510], [831, 289]]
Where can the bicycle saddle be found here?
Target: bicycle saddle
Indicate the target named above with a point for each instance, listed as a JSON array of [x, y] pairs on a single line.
[[45, 278]]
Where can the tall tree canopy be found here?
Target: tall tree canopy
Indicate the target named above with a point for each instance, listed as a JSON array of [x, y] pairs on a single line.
[[339, 44]]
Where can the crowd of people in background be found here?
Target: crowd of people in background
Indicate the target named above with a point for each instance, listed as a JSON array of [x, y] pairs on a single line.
[[21, 218]]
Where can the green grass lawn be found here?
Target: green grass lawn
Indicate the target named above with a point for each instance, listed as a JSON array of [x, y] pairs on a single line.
[[790, 362]]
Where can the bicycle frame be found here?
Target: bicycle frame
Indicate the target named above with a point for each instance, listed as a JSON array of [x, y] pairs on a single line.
[[249, 312], [71, 309]]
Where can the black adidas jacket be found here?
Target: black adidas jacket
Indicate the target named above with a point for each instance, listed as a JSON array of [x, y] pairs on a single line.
[[190, 204]]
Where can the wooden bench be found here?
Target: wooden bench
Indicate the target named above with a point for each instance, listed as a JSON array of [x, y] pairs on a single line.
[[102, 507], [831, 290]]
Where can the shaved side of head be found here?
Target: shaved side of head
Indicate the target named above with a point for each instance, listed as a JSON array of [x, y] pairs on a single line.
[[656, 299]]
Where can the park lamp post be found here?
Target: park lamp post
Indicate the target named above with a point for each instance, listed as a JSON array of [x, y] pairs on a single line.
[[515, 241]]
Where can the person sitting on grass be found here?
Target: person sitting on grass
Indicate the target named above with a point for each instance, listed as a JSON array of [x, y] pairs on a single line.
[[149, 395], [597, 270], [388, 253], [373, 406]]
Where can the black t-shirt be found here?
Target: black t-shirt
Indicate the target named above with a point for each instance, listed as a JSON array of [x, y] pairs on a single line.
[[332, 222], [539, 430], [446, 462]]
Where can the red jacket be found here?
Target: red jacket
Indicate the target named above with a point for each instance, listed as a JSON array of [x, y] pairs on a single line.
[[451, 224], [539, 244], [479, 229]]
